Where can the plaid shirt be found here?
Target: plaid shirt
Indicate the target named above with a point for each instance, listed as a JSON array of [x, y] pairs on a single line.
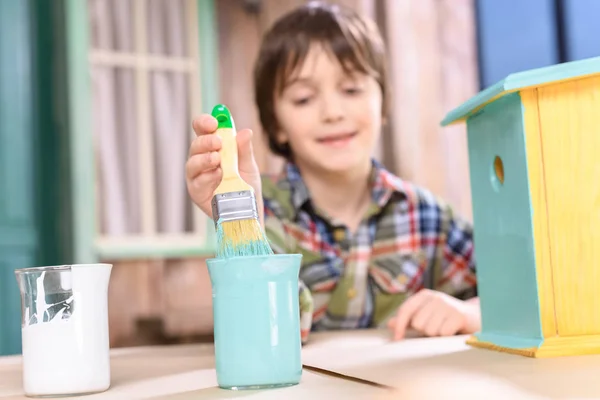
[[408, 240]]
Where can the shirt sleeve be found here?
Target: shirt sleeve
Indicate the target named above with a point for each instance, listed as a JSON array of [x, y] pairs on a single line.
[[280, 243], [457, 275]]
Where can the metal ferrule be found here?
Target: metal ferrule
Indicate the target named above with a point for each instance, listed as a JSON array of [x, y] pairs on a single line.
[[234, 206]]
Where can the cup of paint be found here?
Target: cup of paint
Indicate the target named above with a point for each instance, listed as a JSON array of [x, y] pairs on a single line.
[[256, 321], [64, 327]]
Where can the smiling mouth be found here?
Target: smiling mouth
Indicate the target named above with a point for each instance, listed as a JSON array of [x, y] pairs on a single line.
[[337, 139]]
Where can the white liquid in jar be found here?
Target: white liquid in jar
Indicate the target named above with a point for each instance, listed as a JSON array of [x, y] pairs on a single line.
[[70, 356], [58, 361]]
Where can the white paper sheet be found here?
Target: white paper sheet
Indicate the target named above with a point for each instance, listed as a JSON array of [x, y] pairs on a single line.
[[370, 355]]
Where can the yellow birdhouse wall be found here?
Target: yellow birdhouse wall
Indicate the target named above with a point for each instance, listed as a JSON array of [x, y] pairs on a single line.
[[569, 119], [537, 188]]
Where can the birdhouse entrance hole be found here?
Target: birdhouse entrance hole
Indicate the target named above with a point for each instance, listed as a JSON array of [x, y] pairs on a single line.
[[497, 173]]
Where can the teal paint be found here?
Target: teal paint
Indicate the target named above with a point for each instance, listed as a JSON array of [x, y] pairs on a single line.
[[256, 320], [227, 248], [522, 80], [18, 230], [503, 227]]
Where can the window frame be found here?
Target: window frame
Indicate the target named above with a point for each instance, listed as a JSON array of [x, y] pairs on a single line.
[[88, 245]]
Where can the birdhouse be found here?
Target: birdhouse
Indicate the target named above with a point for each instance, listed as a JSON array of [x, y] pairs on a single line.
[[534, 162]]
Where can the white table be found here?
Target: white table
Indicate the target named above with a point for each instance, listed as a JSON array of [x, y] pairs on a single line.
[[349, 365], [185, 372]]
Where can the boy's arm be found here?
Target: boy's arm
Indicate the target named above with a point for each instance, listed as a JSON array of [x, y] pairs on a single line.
[[280, 243], [456, 273], [306, 311], [442, 311]]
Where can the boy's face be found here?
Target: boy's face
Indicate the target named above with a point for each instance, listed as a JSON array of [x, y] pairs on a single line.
[[330, 119]]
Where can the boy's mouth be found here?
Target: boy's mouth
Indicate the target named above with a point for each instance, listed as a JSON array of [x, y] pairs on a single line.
[[337, 140]]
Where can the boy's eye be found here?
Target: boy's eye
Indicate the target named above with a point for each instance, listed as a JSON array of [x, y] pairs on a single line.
[[301, 101], [352, 90]]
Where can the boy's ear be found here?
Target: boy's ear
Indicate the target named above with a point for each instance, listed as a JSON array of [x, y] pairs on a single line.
[[281, 137]]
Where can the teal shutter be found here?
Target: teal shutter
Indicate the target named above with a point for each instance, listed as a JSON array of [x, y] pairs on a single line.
[[35, 206], [18, 237]]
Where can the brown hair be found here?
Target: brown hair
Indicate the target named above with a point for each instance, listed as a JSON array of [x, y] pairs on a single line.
[[354, 41]]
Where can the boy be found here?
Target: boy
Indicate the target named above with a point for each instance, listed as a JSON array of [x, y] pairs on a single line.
[[376, 250]]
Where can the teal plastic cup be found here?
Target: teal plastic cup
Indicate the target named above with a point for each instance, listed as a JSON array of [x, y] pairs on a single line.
[[256, 321]]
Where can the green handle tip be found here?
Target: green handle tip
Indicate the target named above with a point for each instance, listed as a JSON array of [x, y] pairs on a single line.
[[223, 116]]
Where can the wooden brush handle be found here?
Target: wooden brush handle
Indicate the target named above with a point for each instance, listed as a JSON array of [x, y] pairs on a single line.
[[229, 153], [232, 181]]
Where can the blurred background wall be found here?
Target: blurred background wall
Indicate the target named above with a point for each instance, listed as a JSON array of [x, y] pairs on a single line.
[[97, 97]]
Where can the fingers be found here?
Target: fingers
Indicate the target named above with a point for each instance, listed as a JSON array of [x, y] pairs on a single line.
[[422, 318], [208, 181], [391, 322], [203, 154], [204, 144], [406, 313], [432, 326], [450, 326], [204, 125], [432, 314], [201, 163]]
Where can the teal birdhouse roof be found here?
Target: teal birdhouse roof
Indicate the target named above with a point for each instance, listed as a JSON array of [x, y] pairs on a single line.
[[523, 80]]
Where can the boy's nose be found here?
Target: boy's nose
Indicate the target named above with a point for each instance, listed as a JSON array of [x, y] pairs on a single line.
[[332, 109]]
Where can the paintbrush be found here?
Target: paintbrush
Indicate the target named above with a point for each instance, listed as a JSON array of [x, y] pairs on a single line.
[[234, 206]]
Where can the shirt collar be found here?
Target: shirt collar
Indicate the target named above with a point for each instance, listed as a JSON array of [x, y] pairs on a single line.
[[299, 191], [384, 185]]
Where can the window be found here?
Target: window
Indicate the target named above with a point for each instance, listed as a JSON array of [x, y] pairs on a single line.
[[143, 67]]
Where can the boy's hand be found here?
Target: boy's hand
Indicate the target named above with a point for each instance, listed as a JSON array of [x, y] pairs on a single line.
[[435, 314], [203, 167]]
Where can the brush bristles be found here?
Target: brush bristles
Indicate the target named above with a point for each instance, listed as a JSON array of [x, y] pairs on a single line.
[[243, 237]]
